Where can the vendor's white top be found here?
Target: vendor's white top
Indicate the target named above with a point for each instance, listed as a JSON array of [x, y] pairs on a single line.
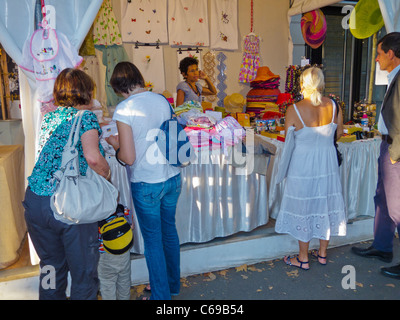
[[312, 205], [143, 112]]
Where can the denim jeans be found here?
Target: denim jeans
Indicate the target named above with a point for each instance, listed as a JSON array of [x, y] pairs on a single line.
[[73, 248], [155, 206]]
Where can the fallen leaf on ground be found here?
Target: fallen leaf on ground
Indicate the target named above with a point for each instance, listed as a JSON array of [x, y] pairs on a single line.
[[359, 284], [211, 276], [223, 273], [390, 285], [244, 276], [243, 267], [253, 268], [184, 282], [294, 273]]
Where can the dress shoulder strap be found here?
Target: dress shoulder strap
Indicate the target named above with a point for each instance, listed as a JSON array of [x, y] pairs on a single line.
[[333, 110], [298, 114]]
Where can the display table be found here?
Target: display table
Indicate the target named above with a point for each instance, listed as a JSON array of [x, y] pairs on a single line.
[[12, 222], [358, 173], [219, 198]]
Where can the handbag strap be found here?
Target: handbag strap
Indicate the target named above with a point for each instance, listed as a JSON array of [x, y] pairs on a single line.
[[172, 110], [75, 128]]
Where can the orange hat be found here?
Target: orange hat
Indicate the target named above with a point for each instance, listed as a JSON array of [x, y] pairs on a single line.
[[264, 74]]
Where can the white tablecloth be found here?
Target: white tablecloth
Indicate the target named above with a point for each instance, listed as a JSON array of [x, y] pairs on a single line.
[[219, 199], [359, 174]]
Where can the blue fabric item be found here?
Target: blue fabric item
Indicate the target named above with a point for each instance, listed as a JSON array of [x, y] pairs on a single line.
[[174, 143]]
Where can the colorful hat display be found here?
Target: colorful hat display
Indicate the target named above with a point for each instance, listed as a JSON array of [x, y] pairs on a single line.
[[234, 103], [366, 19], [264, 74], [313, 28]]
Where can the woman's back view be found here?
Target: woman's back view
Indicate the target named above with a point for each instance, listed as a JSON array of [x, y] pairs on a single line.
[[312, 204]]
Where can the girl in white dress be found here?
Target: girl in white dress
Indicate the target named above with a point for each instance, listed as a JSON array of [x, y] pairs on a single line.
[[312, 204]]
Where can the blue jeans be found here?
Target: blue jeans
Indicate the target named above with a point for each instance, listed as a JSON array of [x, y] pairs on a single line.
[[155, 206]]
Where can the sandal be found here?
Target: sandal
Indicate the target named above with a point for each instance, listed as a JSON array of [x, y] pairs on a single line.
[[289, 263], [315, 253]]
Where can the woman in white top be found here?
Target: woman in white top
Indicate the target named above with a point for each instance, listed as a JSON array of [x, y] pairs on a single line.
[[155, 184], [312, 204]]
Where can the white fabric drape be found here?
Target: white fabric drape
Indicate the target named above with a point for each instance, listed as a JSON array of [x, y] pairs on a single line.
[[301, 6], [390, 10], [218, 200], [74, 19]]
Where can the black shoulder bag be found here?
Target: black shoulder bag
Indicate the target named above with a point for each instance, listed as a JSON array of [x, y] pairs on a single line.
[[338, 154]]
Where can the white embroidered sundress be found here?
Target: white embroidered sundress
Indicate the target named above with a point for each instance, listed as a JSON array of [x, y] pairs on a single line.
[[312, 204]]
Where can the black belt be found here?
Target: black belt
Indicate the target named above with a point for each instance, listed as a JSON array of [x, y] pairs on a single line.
[[387, 138]]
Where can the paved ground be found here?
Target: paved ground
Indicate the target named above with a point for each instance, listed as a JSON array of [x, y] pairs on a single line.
[[273, 280]]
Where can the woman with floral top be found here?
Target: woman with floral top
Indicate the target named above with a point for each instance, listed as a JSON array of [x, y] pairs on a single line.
[[61, 247]]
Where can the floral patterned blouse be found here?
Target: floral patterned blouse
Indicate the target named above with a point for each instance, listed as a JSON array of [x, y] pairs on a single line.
[[54, 134]]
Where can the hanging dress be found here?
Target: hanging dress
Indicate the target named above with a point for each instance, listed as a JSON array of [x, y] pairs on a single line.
[[312, 204], [251, 58]]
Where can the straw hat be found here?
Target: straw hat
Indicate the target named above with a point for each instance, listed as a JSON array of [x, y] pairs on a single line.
[[234, 103], [366, 19], [264, 74], [313, 28]]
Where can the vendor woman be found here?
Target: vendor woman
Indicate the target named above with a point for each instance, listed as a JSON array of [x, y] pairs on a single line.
[[190, 89]]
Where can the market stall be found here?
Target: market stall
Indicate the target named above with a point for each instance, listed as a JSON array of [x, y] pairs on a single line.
[[216, 201]]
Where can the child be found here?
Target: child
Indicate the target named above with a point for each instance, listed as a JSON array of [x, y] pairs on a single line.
[[114, 270]]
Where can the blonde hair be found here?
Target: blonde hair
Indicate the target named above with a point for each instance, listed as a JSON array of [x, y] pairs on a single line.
[[312, 84]]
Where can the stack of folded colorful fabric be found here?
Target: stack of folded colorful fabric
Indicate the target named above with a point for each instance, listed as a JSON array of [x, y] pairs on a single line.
[[264, 92]]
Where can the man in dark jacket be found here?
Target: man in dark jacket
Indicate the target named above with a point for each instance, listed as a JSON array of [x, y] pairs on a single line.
[[387, 199]]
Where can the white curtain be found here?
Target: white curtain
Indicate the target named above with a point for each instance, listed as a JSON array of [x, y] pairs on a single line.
[[301, 6], [390, 11], [74, 18]]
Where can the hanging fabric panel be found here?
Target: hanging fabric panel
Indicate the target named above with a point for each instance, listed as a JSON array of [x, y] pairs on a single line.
[[188, 23], [224, 25], [144, 21], [150, 62]]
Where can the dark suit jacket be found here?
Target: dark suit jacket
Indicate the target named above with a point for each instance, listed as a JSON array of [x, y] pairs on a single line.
[[391, 115]]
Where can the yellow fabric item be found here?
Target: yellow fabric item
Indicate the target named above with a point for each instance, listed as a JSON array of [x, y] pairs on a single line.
[[117, 236]]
